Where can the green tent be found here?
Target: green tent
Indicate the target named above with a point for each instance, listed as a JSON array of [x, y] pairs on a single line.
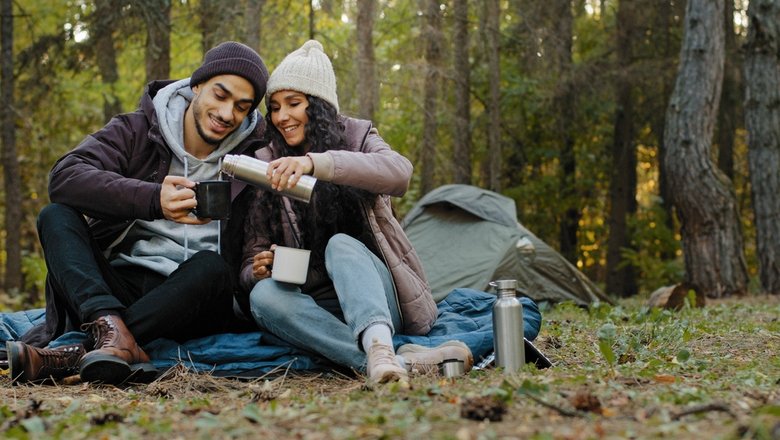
[[467, 237]]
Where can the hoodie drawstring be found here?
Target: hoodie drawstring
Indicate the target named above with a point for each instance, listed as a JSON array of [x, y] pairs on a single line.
[[219, 222], [186, 226]]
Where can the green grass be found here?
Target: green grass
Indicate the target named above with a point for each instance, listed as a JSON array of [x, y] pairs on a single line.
[[620, 372]]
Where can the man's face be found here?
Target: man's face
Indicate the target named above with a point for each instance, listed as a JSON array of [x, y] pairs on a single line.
[[220, 106]]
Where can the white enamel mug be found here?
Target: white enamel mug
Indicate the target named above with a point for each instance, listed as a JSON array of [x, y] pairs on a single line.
[[291, 265]]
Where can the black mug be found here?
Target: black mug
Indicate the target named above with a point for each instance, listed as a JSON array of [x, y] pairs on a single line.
[[213, 197]]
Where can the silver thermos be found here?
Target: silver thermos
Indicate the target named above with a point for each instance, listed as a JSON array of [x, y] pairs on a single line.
[[252, 171], [508, 327]]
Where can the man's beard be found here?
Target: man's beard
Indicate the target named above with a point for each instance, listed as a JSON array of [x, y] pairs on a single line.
[[197, 113]]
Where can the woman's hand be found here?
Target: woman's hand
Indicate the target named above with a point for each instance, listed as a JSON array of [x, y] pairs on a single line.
[[287, 171], [261, 264]]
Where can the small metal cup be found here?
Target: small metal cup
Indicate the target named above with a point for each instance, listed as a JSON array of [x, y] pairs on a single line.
[[452, 368]]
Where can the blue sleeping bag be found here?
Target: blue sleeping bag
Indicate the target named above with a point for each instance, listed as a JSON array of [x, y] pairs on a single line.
[[465, 315]]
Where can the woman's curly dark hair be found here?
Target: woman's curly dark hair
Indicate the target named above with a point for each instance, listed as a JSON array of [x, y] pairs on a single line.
[[332, 208]]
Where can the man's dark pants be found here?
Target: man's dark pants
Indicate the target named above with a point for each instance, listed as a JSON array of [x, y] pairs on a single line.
[[195, 300]]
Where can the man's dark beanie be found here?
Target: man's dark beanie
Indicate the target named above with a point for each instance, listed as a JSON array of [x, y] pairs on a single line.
[[232, 58]]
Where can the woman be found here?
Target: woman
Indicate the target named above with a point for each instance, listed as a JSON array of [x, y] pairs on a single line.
[[365, 281]]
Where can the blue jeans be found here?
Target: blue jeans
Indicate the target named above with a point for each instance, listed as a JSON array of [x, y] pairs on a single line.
[[366, 296]]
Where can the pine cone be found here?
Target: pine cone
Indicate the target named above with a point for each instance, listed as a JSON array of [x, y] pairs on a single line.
[[483, 407]]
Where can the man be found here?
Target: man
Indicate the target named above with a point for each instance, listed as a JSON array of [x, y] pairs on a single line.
[[127, 260]]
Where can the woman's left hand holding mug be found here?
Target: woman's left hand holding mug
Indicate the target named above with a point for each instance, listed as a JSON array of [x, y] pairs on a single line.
[[261, 265]]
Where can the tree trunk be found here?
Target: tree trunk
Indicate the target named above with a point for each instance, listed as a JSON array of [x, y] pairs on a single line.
[[432, 37], [702, 194], [312, 24], [564, 107], [12, 179], [462, 76], [492, 14], [621, 279], [157, 16], [252, 19], [762, 119], [367, 86], [327, 6], [104, 22], [666, 14], [729, 98], [214, 18]]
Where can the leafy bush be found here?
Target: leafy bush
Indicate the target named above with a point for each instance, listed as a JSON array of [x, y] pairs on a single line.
[[34, 270], [657, 255]]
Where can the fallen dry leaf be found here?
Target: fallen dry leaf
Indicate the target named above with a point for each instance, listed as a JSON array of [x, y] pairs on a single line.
[[664, 378]]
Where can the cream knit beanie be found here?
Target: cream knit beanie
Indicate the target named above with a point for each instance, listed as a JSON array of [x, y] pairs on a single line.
[[307, 70]]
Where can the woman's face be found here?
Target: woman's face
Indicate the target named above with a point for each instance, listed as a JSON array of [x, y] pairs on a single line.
[[288, 114]]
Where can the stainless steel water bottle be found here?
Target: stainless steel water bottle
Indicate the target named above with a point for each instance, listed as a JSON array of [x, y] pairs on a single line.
[[508, 327], [252, 171]]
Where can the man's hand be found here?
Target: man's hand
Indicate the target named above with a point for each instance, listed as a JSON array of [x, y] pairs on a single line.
[[177, 199], [287, 171], [261, 264]]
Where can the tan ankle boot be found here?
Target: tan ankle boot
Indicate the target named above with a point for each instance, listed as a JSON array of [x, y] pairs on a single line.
[[382, 365], [116, 356], [427, 360]]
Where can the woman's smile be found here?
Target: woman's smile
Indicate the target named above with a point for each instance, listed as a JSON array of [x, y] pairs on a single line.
[[288, 114]]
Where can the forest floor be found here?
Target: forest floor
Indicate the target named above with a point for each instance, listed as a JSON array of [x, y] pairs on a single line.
[[622, 371]]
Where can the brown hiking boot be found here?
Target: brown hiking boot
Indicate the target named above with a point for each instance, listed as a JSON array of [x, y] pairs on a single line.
[[33, 364], [424, 360], [117, 357]]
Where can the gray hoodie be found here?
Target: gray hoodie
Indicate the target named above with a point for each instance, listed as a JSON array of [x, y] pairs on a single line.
[[162, 245]]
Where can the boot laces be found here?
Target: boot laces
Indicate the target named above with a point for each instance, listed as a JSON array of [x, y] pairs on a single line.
[[103, 330], [58, 360], [382, 354]]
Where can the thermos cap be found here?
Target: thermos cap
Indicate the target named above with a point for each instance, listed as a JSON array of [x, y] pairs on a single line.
[[452, 368], [504, 284]]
